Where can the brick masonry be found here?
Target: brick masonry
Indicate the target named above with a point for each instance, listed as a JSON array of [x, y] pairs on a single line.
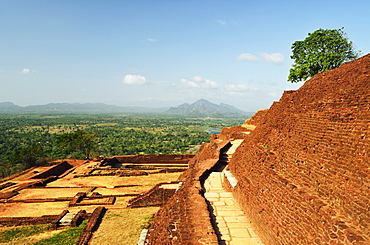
[[163, 158], [303, 172], [185, 218], [156, 196]]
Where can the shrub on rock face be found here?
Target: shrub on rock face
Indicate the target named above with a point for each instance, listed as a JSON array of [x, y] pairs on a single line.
[[321, 51]]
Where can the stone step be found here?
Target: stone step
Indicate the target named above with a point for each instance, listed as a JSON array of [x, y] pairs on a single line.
[[232, 226], [67, 219]]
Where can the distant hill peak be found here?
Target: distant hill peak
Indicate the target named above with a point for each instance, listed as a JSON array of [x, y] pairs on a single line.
[[204, 108]]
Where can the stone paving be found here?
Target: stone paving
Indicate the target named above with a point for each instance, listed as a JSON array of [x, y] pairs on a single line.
[[229, 220]]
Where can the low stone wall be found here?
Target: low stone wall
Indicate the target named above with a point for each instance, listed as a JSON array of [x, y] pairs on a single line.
[[55, 222], [56, 170], [156, 196], [6, 185], [184, 218], [16, 221], [91, 226], [163, 158], [7, 195], [39, 200]]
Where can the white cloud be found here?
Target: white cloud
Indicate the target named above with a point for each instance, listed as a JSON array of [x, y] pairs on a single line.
[[151, 40], [247, 56], [275, 58], [239, 87], [134, 80], [26, 71], [221, 22], [199, 82]]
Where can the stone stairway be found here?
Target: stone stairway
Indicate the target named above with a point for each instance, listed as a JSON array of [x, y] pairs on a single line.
[[234, 144], [227, 154], [229, 221]]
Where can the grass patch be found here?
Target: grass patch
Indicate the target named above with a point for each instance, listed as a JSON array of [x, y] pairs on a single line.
[[123, 226], [67, 237], [21, 232], [148, 219]]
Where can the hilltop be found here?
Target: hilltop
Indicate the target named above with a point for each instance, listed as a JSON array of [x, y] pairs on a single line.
[[204, 108]]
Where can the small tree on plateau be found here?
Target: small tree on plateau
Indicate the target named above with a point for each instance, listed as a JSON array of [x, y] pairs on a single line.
[[322, 50]]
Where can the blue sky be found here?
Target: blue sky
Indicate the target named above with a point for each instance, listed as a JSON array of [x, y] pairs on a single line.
[[161, 52]]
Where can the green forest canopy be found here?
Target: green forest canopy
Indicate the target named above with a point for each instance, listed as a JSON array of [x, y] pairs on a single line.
[[322, 50], [30, 140]]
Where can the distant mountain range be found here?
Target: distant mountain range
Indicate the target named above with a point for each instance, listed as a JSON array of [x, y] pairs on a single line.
[[204, 108], [9, 107], [200, 108]]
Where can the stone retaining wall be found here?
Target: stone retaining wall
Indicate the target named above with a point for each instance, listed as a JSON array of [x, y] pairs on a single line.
[[92, 225], [55, 170], [184, 218], [163, 158], [156, 196], [16, 221], [304, 172]]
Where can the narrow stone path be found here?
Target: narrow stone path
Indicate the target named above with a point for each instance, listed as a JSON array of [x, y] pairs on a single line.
[[231, 224]]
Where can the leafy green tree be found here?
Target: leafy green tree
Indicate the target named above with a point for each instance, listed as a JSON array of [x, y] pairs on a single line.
[[79, 141], [322, 50], [28, 155]]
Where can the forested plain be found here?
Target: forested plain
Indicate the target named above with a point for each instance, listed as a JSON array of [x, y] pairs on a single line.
[[34, 140]]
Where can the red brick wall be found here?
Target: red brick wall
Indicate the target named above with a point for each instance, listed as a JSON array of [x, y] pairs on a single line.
[[56, 170], [163, 158], [154, 197], [185, 218], [303, 173]]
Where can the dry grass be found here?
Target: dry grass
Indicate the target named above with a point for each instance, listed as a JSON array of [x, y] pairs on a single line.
[[112, 181], [122, 200], [29, 239], [49, 193], [32, 209], [124, 190], [104, 181], [95, 200], [151, 179], [122, 226]]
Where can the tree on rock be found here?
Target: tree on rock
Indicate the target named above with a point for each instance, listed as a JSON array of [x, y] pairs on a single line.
[[322, 50]]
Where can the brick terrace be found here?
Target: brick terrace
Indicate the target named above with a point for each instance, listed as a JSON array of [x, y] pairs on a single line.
[[44, 195]]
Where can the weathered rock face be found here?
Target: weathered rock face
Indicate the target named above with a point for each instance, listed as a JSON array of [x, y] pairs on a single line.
[[303, 173]]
